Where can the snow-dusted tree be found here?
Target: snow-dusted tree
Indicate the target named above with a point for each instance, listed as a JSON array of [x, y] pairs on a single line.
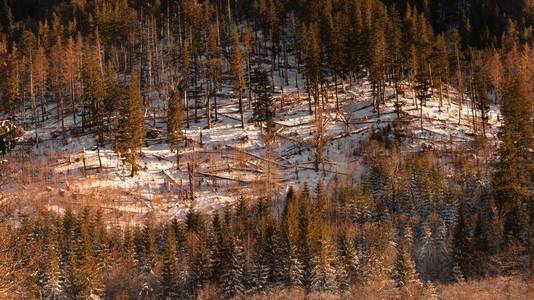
[[462, 249], [342, 276], [169, 280], [131, 125], [294, 275], [293, 271], [236, 65], [350, 259], [149, 248], [200, 267], [53, 281], [263, 106], [258, 275], [174, 124], [185, 60], [233, 276], [323, 276], [404, 272], [429, 291]]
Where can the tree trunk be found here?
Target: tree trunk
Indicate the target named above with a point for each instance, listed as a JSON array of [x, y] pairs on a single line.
[[72, 100], [241, 109], [177, 160], [32, 95], [249, 82], [208, 108], [186, 107]]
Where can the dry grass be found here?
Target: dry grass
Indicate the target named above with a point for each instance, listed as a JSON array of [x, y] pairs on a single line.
[[497, 288], [489, 289]]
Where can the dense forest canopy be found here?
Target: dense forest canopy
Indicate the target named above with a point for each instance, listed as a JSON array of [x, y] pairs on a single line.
[[109, 68]]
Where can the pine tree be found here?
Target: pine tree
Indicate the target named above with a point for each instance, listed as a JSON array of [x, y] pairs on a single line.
[[89, 279], [377, 63], [263, 106], [93, 88], [131, 125], [200, 268], [186, 65], [149, 248], [480, 91], [169, 276], [6, 17], [12, 83], [218, 247], [323, 276], [72, 284], [174, 124], [404, 272], [292, 265], [311, 55], [236, 65], [41, 73], [350, 259], [429, 291], [233, 277], [462, 250], [53, 281], [511, 178]]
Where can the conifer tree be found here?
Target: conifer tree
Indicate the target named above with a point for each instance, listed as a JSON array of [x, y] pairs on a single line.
[[218, 247], [377, 64], [87, 272], [236, 65], [174, 124], [93, 88], [311, 55], [263, 106], [350, 259], [404, 272], [200, 268], [169, 278], [186, 65], [323, 275], [233, 276], [131, 125], [12, 83], [293, 268], [511, 180], [462, 250], [214, 70], [53, 282], [148, 248], [429, 291]]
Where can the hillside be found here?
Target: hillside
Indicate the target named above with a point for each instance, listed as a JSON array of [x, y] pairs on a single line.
[[229, 162], [253, 149]]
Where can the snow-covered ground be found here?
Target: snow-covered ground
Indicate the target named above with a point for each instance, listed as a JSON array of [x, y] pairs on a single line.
[[229, 162]]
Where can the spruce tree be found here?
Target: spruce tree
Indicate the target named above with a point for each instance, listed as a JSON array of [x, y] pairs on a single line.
[[323, 274], [236, 65], [350, 259], [311, 56], [462, 249], [200, 268], [404, 272], [169, 278], [233, 276], [263, 106], [131, 125], [53, 279], [174, 124], [512, 180]]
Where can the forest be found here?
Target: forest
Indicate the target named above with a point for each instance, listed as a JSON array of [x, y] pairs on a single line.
[[367, 147]]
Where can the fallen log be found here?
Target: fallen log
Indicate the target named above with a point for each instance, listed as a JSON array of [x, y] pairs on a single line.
[[201, 174], [256, 156]]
